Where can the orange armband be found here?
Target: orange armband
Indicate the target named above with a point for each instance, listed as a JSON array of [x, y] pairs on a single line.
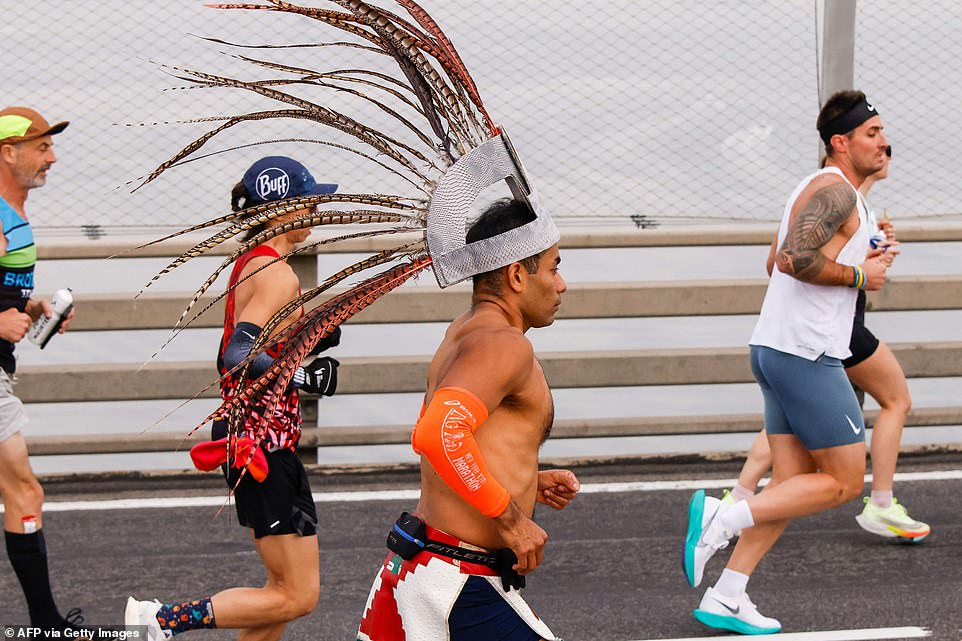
[[445, 435]]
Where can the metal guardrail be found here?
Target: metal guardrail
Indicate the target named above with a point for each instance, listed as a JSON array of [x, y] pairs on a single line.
[[115, 382]]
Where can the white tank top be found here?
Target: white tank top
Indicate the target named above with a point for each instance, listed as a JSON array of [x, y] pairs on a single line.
[[809, 320]]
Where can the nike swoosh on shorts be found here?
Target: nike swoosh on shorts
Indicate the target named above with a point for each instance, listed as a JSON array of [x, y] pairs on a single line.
[[854, 429]]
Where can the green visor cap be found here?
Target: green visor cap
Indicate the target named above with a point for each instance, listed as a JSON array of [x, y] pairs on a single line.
[[13, 126]]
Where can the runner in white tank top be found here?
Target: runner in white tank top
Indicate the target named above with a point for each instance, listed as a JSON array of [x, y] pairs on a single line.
[[803, 318], [812, 417], [872, 368]]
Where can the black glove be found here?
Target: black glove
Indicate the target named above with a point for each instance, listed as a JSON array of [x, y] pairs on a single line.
[[333, 340], [320, 376]]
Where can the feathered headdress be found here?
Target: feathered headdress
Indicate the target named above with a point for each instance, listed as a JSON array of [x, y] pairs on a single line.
[[463, 154]]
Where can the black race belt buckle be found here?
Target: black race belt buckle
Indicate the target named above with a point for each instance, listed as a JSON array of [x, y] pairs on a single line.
[[408, 538]]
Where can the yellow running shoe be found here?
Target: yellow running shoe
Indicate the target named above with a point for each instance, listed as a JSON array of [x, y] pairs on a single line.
[[891, 522]]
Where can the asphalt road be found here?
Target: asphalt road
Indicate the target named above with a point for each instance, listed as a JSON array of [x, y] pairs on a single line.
[[611, 571]]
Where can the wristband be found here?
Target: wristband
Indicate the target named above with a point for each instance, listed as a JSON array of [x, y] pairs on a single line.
[[859, 281]]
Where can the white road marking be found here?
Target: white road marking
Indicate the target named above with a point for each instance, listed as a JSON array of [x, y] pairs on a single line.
[[217, 501], [412, 495], [869, 634], [709, 484]]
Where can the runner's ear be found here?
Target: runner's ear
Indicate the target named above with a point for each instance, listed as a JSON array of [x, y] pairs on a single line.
[[514, 275]]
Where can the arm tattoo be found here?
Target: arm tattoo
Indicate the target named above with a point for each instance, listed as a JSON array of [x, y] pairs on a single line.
[[815, 225]]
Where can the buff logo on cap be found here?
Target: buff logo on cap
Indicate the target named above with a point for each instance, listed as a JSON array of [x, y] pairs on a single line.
[[280, 177], [272, 184]]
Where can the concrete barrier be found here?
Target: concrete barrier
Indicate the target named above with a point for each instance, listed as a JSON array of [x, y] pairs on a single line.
[[126, 382], [181, 380], [582, 300], [401, 434]]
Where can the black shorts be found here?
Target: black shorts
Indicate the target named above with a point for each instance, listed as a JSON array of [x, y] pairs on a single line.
[[863, 342], [282, 504]]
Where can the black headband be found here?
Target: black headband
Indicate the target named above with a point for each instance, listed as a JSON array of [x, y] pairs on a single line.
[[848, 121]]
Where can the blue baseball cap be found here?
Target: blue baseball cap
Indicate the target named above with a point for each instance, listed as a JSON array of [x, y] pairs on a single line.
[[277, 177]]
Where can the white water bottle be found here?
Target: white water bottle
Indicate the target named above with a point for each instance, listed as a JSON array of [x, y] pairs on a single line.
[[44, 328]]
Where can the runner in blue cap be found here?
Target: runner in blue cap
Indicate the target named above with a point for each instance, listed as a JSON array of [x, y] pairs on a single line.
[[272, 495]]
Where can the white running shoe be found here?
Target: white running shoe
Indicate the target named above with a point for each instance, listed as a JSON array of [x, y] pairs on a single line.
[[705, 535], [737, 614], [145, 613]]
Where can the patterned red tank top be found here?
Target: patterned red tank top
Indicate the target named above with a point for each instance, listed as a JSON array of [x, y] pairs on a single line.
[[283, 426]]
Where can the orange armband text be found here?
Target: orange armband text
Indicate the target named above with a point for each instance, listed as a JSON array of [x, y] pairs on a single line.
[[445, 435]]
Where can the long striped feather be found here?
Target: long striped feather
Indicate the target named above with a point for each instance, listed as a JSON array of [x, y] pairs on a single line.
[[320, 322], [433, 41], [379, 200], [266, 235], [412, 62], [451, 55], [312, 220], [180, 325], [341, 20], [290, 307], [309, 77], [368, 157], [373, 138], [317, 218], [339, 309], [431, 99], [436, 44], [263, 341], [374, 260], [301, 337], [304, 335], [424, 43], [230, 122], [319, 113], [305, 45], [367, 263]]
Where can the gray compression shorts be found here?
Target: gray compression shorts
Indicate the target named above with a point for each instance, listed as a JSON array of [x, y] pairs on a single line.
[[811, 399], [12, 417]]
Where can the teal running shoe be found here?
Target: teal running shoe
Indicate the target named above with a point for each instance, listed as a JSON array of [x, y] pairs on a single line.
[[705, 535], [736, 614]]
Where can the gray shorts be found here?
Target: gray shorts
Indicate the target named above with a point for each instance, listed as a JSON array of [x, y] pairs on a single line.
[[12, 417], [811, 399]]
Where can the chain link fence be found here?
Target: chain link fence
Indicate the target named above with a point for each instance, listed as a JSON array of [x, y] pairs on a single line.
[[906, 57], [650, 113]]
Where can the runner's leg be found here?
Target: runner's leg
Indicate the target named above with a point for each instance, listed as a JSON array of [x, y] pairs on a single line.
[[23, 496], [291, 591], [880, 375]]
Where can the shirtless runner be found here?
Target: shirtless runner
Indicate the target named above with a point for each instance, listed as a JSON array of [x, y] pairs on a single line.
[[487, 409]]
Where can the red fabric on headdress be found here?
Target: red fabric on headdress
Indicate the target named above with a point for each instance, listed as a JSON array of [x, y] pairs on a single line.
[[209, 455]]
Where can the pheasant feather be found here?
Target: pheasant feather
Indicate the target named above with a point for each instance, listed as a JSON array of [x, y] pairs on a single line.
[[428, 114], [303, 335]]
